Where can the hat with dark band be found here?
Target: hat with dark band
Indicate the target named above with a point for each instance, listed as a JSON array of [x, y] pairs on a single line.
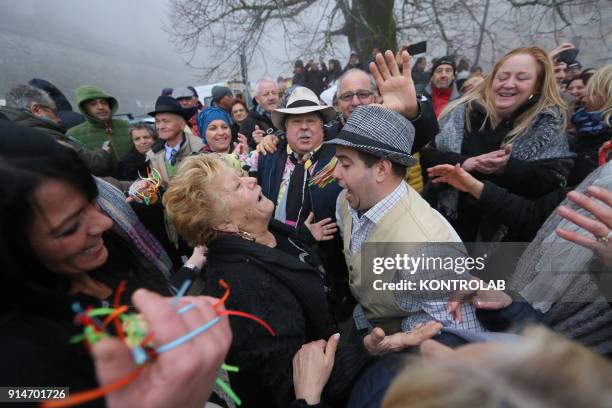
[[167, 104], [302, 100], [380, 132]]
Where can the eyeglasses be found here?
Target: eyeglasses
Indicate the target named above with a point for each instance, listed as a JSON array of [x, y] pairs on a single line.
[[362, 95], [270, 93]]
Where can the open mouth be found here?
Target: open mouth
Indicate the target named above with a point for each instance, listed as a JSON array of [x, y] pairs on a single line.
[[94, 248], [506, 94]]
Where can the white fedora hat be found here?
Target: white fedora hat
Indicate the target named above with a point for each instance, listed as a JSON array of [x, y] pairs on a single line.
[[302, 100]]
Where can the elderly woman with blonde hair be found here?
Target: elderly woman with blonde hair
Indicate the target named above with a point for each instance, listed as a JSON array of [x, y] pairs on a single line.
[[508, 130], [541, 369], [270, 271]]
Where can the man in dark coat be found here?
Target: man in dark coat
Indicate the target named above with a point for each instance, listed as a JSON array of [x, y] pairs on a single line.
[[259, 121], [69, 117], [299, 78], [442, 88], [419, 76], [32, 107], [315, 78]]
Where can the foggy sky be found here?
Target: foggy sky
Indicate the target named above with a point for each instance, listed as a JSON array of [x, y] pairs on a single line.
[[69, 41]]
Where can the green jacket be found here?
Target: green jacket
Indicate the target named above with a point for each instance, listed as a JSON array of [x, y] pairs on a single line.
[[93, 133]]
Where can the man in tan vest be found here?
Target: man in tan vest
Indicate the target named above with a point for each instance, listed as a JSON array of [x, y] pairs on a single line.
[[377, 208]]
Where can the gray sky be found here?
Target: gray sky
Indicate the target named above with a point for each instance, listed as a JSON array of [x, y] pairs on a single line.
[[119, 45]]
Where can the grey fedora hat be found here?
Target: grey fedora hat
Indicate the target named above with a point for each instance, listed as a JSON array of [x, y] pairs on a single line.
[[380, 132]]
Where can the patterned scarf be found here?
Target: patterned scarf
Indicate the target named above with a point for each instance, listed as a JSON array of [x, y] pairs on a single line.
[[588, 122], [544, 139], [112, 202]]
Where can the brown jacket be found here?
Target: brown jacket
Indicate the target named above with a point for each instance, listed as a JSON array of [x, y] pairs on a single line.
[[157, 155]]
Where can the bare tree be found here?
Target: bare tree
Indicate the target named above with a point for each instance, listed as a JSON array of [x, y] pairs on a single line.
[[477, 29], [230, 28], [465, 27], [585, 22]]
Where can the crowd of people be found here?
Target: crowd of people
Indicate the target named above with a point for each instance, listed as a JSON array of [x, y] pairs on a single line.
[[277, 211]]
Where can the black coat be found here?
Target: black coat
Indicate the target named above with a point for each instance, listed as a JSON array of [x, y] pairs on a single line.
[[586, 146], [98, 161], [525, 217], [252, 119], [529, 180], [315, 81], [283, 291], [34, 335], [322, 202], [131, 165]]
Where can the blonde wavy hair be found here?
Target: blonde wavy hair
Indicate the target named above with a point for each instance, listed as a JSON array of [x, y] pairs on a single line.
[[542, 369], [601, 84], [192, 199], [546, 86]]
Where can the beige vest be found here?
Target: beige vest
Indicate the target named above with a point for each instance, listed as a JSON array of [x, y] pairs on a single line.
[[410, 220]]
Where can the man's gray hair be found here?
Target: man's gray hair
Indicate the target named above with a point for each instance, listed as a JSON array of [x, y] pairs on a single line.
[[373, 86], [24, 96], [262, 81]]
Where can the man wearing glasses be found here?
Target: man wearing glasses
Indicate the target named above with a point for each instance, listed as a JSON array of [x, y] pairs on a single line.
[[356, 88]]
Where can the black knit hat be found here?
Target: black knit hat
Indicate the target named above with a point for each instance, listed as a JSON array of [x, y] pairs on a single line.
[[218, 92], [444, 61]]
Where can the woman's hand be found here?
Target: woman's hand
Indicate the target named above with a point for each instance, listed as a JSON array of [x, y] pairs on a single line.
[[601, 227], [258, 134], [198, 257], [181, 377], [456, 177], [139, 186], [312, 366], [240, 148], [480, 299], [563, 47], [377, 343], [323, 230], [242, 145], [243, 139], [267, 145], [489, 163]]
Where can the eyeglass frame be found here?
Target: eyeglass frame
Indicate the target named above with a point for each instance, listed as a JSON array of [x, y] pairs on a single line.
[[348, 96]]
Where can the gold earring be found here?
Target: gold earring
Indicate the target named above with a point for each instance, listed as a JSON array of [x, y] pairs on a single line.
[[245, 235]]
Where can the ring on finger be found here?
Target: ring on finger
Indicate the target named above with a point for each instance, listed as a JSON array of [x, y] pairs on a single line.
[[604, 238]]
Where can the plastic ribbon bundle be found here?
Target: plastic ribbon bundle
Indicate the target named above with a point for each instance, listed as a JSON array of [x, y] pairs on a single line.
[[324, 176], [145, 189], [132, 330]]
